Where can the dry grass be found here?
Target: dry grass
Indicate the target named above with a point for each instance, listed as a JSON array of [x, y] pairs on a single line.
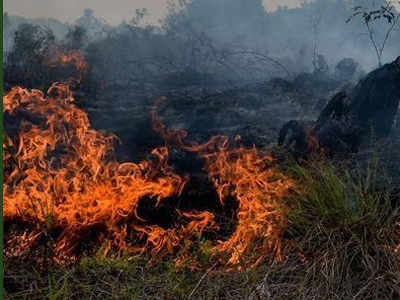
[[343, 227]]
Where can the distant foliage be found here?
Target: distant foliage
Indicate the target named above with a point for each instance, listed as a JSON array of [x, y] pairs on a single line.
[[34, 60], [76, 38], [25, 63]]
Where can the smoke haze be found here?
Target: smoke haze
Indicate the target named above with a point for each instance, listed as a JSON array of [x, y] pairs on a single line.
[[112, 11]]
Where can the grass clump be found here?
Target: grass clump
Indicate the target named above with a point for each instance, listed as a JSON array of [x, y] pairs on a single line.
[[345, 226]]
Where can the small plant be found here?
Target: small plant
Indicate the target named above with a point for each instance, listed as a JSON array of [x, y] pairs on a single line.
[[370, 16], [344, 224], [337, 206]]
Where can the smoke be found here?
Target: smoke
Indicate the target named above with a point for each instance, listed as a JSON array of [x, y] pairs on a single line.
[[292, 31], [113, 12]]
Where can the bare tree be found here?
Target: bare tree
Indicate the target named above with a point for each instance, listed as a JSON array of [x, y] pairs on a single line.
[[369, 17]]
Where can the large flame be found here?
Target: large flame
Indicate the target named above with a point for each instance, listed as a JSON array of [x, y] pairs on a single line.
[[61, 177], [59, 171], [58, 168]]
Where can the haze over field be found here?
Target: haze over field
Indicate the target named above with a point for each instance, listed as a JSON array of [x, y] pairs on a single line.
[[112, 11], [282, 33]]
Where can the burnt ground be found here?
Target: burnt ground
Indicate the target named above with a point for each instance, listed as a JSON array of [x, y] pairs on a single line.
[[254, 111]]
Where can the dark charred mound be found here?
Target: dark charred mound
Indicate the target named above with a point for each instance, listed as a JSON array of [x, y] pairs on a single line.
[[352, 118]]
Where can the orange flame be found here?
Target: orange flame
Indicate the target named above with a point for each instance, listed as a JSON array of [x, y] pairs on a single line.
[[61, 173], [254, 180], [59, 168], [71, 57]]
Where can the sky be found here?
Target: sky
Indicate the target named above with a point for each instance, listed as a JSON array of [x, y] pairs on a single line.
[[113, 11]]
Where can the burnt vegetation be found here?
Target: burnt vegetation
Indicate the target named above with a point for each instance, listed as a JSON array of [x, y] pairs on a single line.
[[264, 146]]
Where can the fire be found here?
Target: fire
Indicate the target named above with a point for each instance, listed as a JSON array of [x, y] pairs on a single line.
[[253, 179], [57, 168], [260, 188], [70, 57], [61, 173], [76, 58], [61, 177]]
